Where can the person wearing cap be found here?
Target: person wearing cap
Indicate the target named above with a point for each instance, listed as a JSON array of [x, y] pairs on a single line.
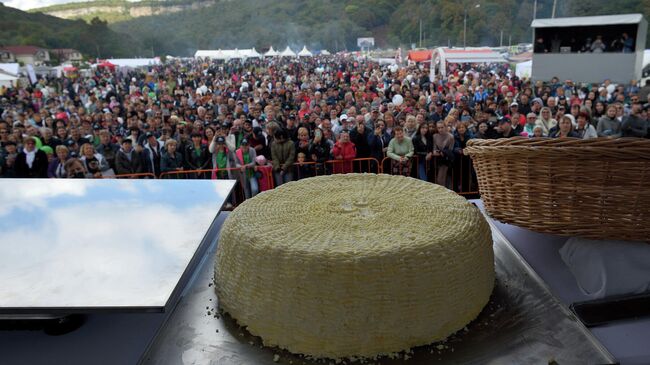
[[245, 157], [505, 129], [31, 162], [127, 160], [222, 159], [529, 127]]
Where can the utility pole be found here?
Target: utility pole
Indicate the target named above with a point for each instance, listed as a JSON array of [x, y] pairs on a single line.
[[465, 29], [554, 6], [420, 33], [501, 39], [534, 17]]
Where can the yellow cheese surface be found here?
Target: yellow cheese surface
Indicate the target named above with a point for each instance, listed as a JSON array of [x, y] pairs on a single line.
[[354, 265]]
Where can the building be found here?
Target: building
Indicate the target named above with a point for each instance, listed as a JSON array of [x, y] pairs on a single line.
[[6, 56], [589, 49], [28, 55], [66, 54]]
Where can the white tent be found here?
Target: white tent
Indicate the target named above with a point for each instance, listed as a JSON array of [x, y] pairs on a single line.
[[271, 53], [325, 52], [227, 54], [12, 68], [252, 53], [524, 69], [304, 52], [288, 53], [134, 62], [7, 79]]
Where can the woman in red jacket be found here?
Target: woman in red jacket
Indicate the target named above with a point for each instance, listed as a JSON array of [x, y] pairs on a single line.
[[344, 152]]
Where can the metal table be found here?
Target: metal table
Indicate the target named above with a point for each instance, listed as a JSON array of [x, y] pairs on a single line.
[[522, 324]]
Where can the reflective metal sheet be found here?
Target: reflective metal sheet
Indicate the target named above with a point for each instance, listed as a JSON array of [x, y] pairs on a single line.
[[100, 244], [522, 324]]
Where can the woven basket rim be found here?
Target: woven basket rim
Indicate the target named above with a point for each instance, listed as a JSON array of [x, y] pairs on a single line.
[[626, 148]]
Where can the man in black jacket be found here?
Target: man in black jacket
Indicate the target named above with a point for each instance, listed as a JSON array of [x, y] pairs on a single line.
[[31, 162]]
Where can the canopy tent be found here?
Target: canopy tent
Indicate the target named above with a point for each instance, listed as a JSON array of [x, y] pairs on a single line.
[[7, 79], [12, 68], [107, 64], [443, 56], [325, 53], [421, 55], [271, 53], [134, 62], [524, 69], [304, 52], [287, 53], [587, 21], [469, 55], [226, 54]]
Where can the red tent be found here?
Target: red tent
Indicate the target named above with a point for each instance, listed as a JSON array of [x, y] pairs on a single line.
[[421, 55], [106, 64]]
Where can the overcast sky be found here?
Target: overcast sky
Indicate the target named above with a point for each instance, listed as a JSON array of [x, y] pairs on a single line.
[[30, 4]]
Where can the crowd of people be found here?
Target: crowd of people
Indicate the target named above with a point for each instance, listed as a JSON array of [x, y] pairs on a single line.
[[292, 118]]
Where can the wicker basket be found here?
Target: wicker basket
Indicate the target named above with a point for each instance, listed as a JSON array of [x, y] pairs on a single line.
[[596, 188]]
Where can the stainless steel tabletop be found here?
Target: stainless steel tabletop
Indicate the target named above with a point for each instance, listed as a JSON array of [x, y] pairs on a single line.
[[522, 324], [79, 245]]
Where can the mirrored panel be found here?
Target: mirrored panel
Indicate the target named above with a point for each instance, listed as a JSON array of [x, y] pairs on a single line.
[[100, 243]]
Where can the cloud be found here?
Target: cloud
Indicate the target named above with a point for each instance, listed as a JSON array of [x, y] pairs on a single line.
[[101, 254], [32, 4]]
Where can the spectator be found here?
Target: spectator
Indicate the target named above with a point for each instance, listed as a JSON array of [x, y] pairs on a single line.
[[74, 169], [319, 151], [608, 124], [344, 152], [505, 129], [545, 121], [56, 168], [400, 150], [529, 127], [463, 174], [128, 161], [564, 129], [423, 149], [283, 156], [245, 157], [222, 158], [94, 163], [152, 153], [634, 125], [197, 156], [443, 151], [584, 129], [359, 136], [171, 160], [107, 148], [31, 162]]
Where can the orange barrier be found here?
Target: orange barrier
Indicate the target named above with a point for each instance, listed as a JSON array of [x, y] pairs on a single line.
[[142, 175], [460, 176], [307, 169], [242, 190]]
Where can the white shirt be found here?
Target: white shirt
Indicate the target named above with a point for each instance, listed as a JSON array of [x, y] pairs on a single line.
[[30, 157]]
